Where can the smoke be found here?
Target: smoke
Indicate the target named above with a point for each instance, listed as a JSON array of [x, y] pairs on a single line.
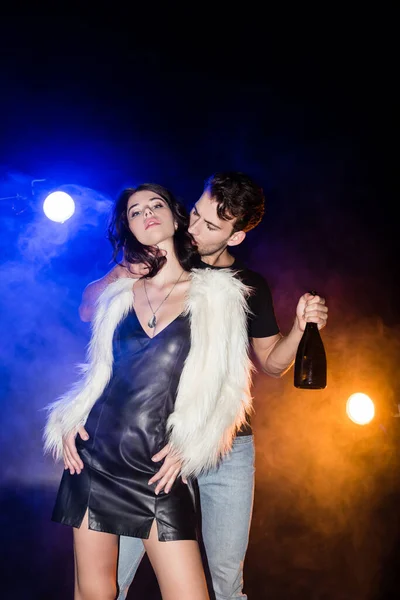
[[327, 493], [325, 515], [45, 268], [324, 511]]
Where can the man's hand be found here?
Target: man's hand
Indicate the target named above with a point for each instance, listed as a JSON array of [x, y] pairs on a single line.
[[311, 309], [168, 472], [132, 270], [72, 460]]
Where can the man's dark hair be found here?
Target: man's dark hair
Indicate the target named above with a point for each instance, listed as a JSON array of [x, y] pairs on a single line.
[[238, 196]]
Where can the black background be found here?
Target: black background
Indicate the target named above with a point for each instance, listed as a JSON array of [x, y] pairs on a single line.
[[303, 102]]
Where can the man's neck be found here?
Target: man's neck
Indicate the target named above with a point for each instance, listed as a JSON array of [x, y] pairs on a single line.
[[222, 259]]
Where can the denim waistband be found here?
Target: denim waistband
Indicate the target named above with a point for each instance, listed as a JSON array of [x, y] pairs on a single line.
[[243, 439]]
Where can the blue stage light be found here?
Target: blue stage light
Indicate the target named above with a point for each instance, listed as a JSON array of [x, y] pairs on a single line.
[[59, 206]]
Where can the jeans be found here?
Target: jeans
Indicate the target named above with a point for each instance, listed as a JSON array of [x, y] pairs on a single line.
[[226, 502]]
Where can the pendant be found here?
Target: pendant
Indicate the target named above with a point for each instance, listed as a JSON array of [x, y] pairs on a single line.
[[152, 322]]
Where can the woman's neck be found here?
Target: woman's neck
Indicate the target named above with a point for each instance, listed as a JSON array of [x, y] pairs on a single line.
[[170, 271]]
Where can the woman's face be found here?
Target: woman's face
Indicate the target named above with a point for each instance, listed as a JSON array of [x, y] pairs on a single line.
[[149, 218]]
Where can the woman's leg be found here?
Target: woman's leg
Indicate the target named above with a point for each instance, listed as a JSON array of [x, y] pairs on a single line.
[[96, 555], [178, 568]]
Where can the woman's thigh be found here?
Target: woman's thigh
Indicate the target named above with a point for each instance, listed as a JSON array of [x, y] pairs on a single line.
[[96, 555], [178, 568]]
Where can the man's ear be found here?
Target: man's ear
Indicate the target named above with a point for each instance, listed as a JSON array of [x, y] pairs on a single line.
[[237, 238]]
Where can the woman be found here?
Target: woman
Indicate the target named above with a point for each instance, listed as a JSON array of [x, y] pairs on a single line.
[[168, 362]]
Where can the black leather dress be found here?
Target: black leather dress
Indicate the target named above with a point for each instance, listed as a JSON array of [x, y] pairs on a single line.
[[127, 426]]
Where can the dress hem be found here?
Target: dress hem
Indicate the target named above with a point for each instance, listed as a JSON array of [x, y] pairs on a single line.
[[139, 534]]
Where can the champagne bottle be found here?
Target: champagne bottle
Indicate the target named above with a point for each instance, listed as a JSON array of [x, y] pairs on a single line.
[[310, 362]]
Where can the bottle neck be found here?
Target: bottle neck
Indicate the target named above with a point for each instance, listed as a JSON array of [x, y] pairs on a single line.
[[312, 326]]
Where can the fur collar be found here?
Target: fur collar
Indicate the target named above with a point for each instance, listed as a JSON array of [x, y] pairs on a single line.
[[213, 396]]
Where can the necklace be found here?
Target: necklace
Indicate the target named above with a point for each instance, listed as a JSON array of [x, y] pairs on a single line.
[[153, 320]]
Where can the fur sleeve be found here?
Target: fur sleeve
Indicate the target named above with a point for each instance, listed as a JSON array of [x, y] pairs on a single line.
[[214, 390], [71, 410]]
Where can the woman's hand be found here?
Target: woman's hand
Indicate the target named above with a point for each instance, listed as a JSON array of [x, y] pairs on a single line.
[[72, 460], [168, 472]]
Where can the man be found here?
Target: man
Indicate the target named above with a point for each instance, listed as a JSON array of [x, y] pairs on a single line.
[[230, 206]]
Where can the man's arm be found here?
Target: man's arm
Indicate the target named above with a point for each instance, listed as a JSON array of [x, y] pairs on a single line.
[[276, 353], [93, 290]]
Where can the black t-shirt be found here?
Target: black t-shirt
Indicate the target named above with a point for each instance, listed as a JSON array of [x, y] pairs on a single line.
[[261, 322]]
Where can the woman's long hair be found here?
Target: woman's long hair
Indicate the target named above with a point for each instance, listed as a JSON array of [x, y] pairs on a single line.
[[123, 240]]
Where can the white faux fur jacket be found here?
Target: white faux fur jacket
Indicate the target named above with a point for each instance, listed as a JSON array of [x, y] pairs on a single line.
[[213, 395]]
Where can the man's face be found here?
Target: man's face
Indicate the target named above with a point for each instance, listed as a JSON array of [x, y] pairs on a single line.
[[211, 234]]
